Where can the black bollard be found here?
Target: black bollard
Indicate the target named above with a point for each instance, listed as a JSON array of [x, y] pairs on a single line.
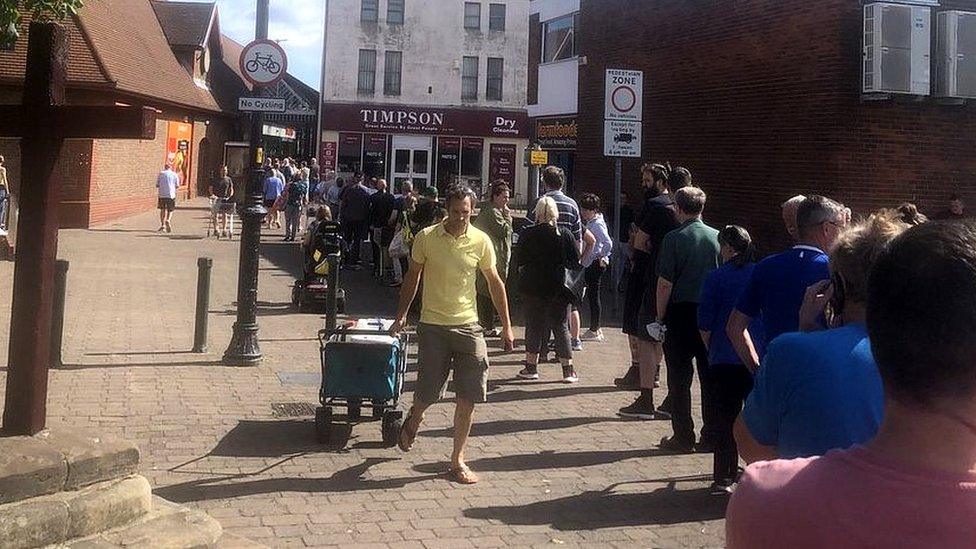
[[204, 267], [57, 318]]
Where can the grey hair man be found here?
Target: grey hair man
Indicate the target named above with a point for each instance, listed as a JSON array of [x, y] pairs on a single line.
[[789, 214]]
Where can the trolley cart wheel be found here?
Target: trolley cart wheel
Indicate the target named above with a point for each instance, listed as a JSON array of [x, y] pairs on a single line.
[[392, 423], [379, 407], [323, 424], [355, 411]]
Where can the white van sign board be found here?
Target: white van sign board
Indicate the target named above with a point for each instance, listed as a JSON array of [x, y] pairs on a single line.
[[622, 138]]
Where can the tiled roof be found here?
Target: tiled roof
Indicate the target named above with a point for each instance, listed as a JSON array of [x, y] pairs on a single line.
[[83, 66], [185, 23], [133, 48]]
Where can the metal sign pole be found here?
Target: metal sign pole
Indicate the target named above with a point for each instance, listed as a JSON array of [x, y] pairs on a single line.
[[617, 225]]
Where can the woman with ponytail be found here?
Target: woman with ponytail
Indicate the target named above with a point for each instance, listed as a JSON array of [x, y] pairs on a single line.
[[729, 381]]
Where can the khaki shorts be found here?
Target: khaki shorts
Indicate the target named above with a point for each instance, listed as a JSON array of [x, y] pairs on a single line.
[[441, 349]]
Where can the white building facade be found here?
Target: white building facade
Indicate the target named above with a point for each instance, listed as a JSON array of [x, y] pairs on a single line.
[[427, 91], [553, 90]]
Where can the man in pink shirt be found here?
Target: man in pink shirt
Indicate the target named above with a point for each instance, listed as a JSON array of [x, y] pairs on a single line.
[[914, 484]]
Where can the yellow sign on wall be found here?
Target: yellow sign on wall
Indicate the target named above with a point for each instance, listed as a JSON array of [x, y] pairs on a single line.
[[538, 158]]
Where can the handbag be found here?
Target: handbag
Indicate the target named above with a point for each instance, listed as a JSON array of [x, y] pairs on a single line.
[[574, 284], [398, 246]]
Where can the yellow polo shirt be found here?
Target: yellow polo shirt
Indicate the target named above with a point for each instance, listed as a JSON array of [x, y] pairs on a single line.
[[450, 269]]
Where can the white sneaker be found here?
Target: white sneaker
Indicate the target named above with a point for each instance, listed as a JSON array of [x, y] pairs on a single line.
[[590, 335], [577, 345]]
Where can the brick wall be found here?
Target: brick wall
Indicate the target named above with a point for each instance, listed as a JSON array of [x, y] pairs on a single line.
[[761, 100], [124, 175]]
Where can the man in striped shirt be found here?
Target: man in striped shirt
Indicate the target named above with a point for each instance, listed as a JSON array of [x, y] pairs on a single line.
[[554, 179]]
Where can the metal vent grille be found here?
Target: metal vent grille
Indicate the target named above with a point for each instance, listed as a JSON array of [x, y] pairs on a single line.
[[292, 409]]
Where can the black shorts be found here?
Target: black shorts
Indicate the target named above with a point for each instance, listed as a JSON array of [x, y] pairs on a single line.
[[168, 204], [640, 303]]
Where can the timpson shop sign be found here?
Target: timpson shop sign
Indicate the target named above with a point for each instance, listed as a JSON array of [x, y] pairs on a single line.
[[424, 120]]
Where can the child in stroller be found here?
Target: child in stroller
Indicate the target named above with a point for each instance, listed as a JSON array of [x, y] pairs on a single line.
[[322, 238]]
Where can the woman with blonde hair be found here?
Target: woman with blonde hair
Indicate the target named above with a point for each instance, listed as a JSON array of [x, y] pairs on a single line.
[[544, 253]]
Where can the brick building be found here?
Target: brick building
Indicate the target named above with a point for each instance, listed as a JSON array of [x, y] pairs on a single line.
[[167, 55], [763, 100]]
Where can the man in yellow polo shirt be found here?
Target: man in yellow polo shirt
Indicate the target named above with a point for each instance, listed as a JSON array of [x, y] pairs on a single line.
[[449, 255]]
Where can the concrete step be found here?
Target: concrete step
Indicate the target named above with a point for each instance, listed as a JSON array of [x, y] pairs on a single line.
[[63, 516], [167, 526], [61, 459]]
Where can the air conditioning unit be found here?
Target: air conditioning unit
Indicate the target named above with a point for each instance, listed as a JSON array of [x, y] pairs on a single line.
[[955, 69], [897, 48]]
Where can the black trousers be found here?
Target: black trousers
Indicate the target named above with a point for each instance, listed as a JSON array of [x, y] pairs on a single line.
[[486, 312], [355, 234], [544, 315], [729, 385], [682, 345], [593, 276]]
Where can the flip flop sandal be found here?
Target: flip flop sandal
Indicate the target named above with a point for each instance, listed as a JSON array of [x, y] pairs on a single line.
[[462, 475], [406, 439]]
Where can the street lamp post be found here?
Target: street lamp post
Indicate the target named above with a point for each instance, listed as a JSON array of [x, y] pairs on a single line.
[[244, 349]]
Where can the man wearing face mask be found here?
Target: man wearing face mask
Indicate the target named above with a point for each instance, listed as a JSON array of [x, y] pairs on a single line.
[[820, 390]]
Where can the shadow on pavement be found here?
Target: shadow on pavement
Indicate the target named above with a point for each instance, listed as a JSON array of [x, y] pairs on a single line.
[[271, 438], [233, 486], [605, 509], [506, 427], [546, 460], [517, 395], [143, 365]]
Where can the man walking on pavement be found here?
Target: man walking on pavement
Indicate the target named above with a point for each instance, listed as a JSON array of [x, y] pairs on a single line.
[[354, 213], [168, 182], [687, 255], [449, 256]]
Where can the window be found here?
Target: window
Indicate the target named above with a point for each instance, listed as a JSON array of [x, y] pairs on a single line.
[[559, 40], [391, 73], [469, 78], [472, 15], [496, 66], [496, 17], [367, 72], [370, 11], [394, 12]]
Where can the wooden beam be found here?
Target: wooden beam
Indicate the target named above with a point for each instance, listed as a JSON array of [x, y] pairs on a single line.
[[79, 121]]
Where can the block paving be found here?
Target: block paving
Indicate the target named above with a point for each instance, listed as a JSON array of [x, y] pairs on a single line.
[[557, 466]]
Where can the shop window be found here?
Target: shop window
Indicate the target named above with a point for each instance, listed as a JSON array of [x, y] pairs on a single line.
[[392, 71], [448, 160], [472, 15], [350, 152], [559, 40], [374, 156], [471, 157], [394, 12], [496, 67], [496, 17], [370, 11], [469, 78], [367, 72]]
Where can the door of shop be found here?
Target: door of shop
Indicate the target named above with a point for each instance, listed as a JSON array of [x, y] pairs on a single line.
[[411, 161]]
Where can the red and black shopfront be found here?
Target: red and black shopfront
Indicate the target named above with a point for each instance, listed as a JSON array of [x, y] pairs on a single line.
[[426, 145]]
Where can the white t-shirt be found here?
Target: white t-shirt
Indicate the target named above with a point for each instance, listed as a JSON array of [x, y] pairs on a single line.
[[167, 182]]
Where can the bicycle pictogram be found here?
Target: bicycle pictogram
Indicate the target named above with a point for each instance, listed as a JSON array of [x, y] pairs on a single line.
[[266, 62]]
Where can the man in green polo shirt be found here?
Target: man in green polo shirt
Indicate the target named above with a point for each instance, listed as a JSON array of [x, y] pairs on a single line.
[[687, 255], [449, 256]]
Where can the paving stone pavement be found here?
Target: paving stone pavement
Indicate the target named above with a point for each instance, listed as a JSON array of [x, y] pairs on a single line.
[[558, 468]]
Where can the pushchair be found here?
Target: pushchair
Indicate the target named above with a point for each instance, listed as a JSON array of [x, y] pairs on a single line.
[[220, 206], [310, 293], [362, 365]]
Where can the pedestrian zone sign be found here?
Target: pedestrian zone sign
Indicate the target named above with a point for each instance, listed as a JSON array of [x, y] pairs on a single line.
[[623, 113]]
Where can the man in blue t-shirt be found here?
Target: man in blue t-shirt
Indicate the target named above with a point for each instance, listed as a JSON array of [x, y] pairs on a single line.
[[777, 285], [818, 391]]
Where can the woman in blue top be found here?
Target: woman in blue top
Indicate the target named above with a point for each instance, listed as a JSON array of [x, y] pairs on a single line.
[[728, 380]]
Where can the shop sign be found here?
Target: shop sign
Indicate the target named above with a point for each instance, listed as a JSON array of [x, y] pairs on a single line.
[[327, 155], [556, 133], [278, 131], [501, 163], [179, 135], [424, 120]]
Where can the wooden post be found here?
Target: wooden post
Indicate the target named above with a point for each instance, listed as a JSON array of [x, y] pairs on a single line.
[[30, 325]]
